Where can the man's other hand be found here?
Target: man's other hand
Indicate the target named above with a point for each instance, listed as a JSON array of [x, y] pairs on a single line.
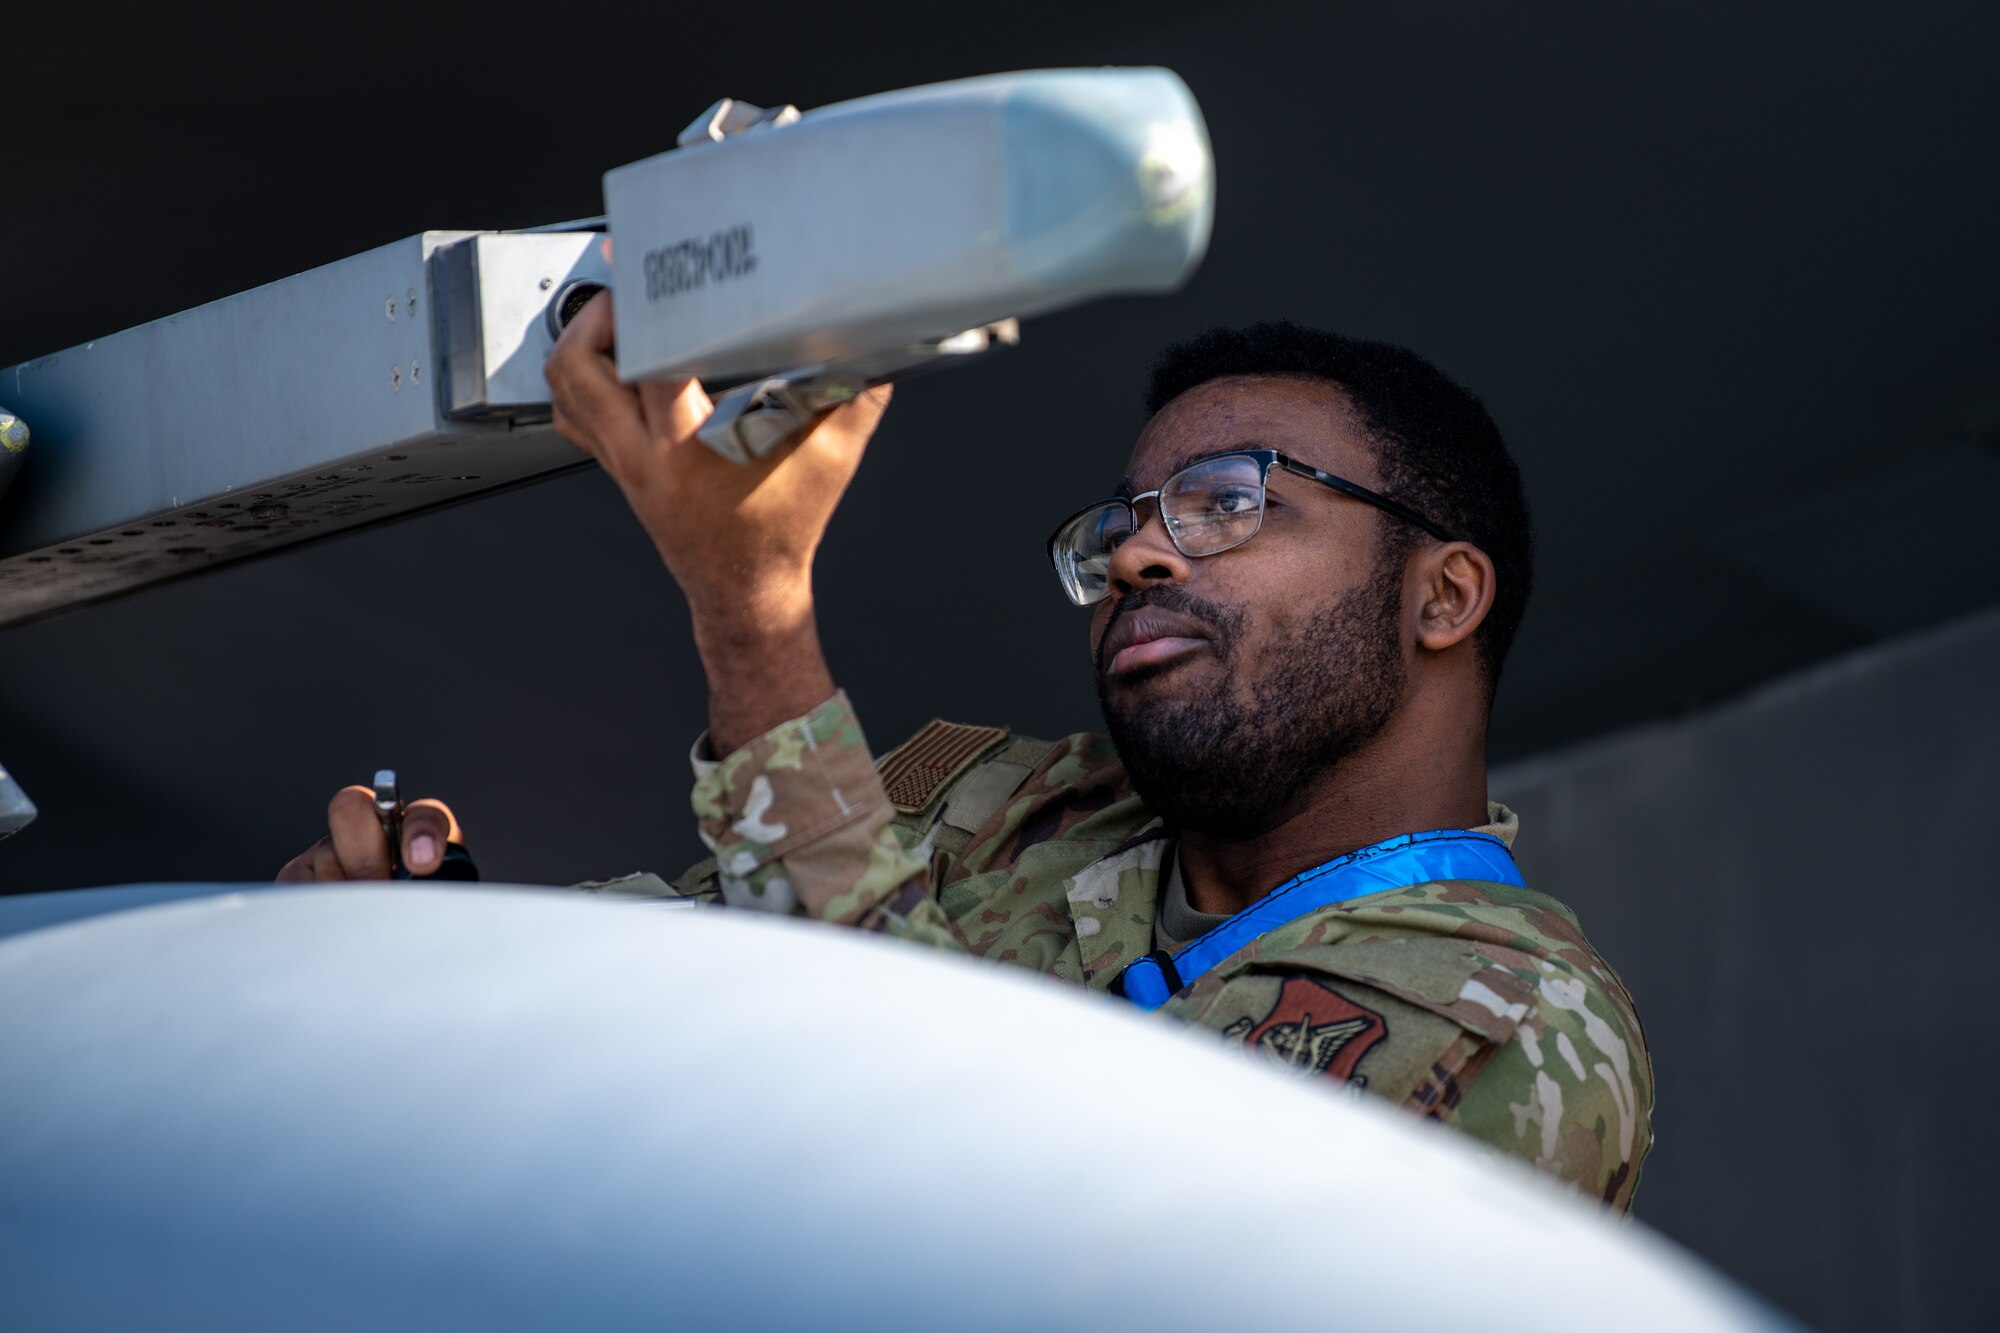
[[739, 538], [355, 847]]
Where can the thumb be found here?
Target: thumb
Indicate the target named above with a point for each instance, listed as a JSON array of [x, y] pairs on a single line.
[[427, 826], [674, 409]]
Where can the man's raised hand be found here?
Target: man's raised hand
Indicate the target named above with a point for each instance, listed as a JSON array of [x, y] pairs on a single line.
[[355, 847], [739, 538]]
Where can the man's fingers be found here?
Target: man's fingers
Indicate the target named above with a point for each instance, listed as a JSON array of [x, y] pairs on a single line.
[[316, 864], [849, 426], [299, 870], [593, 326], [427, 826], [592, 410], [325, 863], [675, 409], [360, 846], [868, 406], [356, 847]]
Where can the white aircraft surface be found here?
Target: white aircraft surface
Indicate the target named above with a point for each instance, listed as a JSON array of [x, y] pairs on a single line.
[[402, 1107]]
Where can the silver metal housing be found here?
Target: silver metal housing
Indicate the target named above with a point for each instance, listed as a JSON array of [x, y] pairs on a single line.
[[839, 248], [402, 378]]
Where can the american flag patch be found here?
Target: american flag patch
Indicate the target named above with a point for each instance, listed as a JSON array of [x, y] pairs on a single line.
[[917, 770]]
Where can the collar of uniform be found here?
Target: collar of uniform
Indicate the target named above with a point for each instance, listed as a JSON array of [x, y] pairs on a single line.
[[702, 758], [1178, 921], [1501, 823]]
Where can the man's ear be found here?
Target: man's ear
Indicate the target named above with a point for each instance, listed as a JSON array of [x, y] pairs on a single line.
[[1455, 585]]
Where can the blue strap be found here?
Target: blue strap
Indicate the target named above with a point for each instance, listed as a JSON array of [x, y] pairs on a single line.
[[1393, 863]]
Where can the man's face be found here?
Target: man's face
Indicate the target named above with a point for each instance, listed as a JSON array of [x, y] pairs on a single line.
[[1231, 681]]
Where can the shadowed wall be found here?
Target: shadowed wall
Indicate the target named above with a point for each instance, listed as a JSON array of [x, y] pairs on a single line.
[[1800, 890]]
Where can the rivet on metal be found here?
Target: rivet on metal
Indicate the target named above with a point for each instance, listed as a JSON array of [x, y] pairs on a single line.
[[389, 307], [396, 378]]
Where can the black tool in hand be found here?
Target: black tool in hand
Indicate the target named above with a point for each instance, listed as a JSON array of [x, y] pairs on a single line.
[[457, 863]]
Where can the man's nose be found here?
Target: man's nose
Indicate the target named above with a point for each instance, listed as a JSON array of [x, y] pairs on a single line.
[[1147, 556]]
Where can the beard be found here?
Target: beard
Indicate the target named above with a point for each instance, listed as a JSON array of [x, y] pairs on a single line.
[[1235, 761]]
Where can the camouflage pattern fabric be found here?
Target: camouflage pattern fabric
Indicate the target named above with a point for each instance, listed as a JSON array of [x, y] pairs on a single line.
[[1481, 1006]]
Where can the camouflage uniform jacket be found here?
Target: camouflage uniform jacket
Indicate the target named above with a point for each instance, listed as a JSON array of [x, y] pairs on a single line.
[[1479, 1005]]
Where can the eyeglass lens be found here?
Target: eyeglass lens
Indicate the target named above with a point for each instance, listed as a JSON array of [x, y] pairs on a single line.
[[1208, 508], [1214, 505]]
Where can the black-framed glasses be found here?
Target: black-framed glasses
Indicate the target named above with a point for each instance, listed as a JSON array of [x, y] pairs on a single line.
[[1210, 506]]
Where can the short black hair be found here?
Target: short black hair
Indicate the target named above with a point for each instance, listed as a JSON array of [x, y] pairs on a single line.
[[1439, 451]]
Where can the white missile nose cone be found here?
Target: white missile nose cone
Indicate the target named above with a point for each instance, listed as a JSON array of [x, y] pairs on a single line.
[[1110, 179], [1174, 173]]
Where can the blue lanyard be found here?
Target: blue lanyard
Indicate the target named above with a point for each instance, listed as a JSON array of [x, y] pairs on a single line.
[[1393, 863]]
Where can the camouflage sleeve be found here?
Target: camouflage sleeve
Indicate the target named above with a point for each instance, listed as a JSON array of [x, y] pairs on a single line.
[[799, 823], [1571, 1092]]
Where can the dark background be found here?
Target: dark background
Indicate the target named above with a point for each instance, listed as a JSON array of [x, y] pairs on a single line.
[[1724, 273]]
